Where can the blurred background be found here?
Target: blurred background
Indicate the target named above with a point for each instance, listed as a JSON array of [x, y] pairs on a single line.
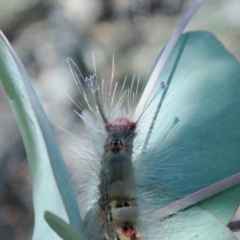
[[45, 33]]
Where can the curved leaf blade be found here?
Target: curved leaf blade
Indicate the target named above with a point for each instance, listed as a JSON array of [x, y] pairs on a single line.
[[40, 145], [194, 223], [195, 140], [64, 230]]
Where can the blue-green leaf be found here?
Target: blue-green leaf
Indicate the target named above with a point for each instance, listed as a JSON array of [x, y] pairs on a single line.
[[41, 147], [194, 223], [64, 230], [195, 140]]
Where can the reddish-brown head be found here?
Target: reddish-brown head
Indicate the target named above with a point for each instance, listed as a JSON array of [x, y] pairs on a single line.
[[121, 133], [121, 124]]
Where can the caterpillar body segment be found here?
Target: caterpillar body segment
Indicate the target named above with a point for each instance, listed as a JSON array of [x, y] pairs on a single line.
[[117, 188]]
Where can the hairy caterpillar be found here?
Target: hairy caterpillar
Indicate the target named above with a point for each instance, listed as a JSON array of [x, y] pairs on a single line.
[[114, 143]]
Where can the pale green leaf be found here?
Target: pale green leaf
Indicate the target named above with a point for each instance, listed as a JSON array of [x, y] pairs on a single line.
[[40, 145]]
